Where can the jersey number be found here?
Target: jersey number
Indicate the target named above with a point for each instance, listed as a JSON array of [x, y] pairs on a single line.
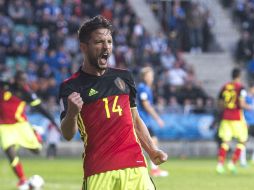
[[115, 108], [229, 99]]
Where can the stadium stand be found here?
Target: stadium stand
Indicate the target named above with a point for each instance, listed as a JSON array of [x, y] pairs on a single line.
[[242, 16], [40, 37]]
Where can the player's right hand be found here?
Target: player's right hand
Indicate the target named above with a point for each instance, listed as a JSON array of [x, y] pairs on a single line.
[[75, 104]]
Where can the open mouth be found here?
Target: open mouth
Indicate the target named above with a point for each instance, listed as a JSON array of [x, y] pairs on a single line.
[[104, 58]]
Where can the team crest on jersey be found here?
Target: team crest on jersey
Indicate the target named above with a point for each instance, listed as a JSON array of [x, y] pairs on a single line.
[[120, 84]]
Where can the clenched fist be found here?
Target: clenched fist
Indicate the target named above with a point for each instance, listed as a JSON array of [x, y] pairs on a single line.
[[75, 104], [158, 157]]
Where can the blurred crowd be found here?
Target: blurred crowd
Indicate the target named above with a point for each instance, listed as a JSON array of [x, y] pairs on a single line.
[[188, 24], [40, 37], [243, 15]]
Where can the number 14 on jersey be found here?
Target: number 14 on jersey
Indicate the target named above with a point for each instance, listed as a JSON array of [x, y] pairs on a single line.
[[112, 108]]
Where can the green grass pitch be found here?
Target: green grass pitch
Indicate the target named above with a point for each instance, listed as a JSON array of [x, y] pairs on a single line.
[[188, 174]]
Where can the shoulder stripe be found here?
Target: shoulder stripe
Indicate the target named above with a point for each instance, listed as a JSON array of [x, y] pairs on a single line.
[[75, 75]]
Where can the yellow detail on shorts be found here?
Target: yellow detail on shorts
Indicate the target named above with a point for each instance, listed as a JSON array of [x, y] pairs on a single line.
[[18, 134], [233, 129], [20, 110], [123, 179], [35, 102], [15, 161], [7, 95]]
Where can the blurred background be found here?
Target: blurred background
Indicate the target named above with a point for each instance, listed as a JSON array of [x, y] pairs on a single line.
[[191, 44]]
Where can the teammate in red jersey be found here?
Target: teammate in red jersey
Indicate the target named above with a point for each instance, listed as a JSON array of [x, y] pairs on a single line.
[[15, 130], [100, 102], [233, 125]]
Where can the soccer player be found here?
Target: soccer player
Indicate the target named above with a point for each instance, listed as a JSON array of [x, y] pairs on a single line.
[[147, 111], [100, 102], [249, 116], [15, 131], [233, 125]]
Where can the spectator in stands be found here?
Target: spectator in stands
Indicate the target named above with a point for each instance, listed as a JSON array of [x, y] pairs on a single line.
[[244, 49], [47, 82], [196, 23], [239, 10], [191, 92], [160, 105], [187, 106], [177, 25], [17, 11], [174, 106], [199, 107], [20, 44], [177, 75], [169, 91], [5, 38], [167, 59]]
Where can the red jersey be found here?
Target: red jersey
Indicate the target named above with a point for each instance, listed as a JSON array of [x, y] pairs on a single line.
[[13, 103], [105, 122], [230, 94]]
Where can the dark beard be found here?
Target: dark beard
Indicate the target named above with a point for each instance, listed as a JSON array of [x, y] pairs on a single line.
[[94, 63]]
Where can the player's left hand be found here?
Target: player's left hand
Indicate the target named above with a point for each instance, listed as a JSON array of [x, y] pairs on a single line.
[[158, 157], [161, 122]]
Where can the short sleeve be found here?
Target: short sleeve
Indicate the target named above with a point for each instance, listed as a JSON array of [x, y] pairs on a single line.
[[142, 95], [133, 91], [64, 91], [243, 93]]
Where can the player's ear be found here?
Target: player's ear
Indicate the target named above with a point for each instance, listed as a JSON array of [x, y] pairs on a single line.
[[83, 46]]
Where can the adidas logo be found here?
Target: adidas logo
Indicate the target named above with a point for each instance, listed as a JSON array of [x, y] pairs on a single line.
[[92, 92]]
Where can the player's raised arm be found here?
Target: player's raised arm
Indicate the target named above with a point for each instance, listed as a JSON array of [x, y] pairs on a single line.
[[69, 122], [156, 155]]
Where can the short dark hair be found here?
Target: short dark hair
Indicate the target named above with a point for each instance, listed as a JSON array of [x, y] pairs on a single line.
[[92, 24], [236, 72]]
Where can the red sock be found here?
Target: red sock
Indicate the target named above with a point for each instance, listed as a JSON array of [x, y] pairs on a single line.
[[18, 169], [236, 155], [222, 155]]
